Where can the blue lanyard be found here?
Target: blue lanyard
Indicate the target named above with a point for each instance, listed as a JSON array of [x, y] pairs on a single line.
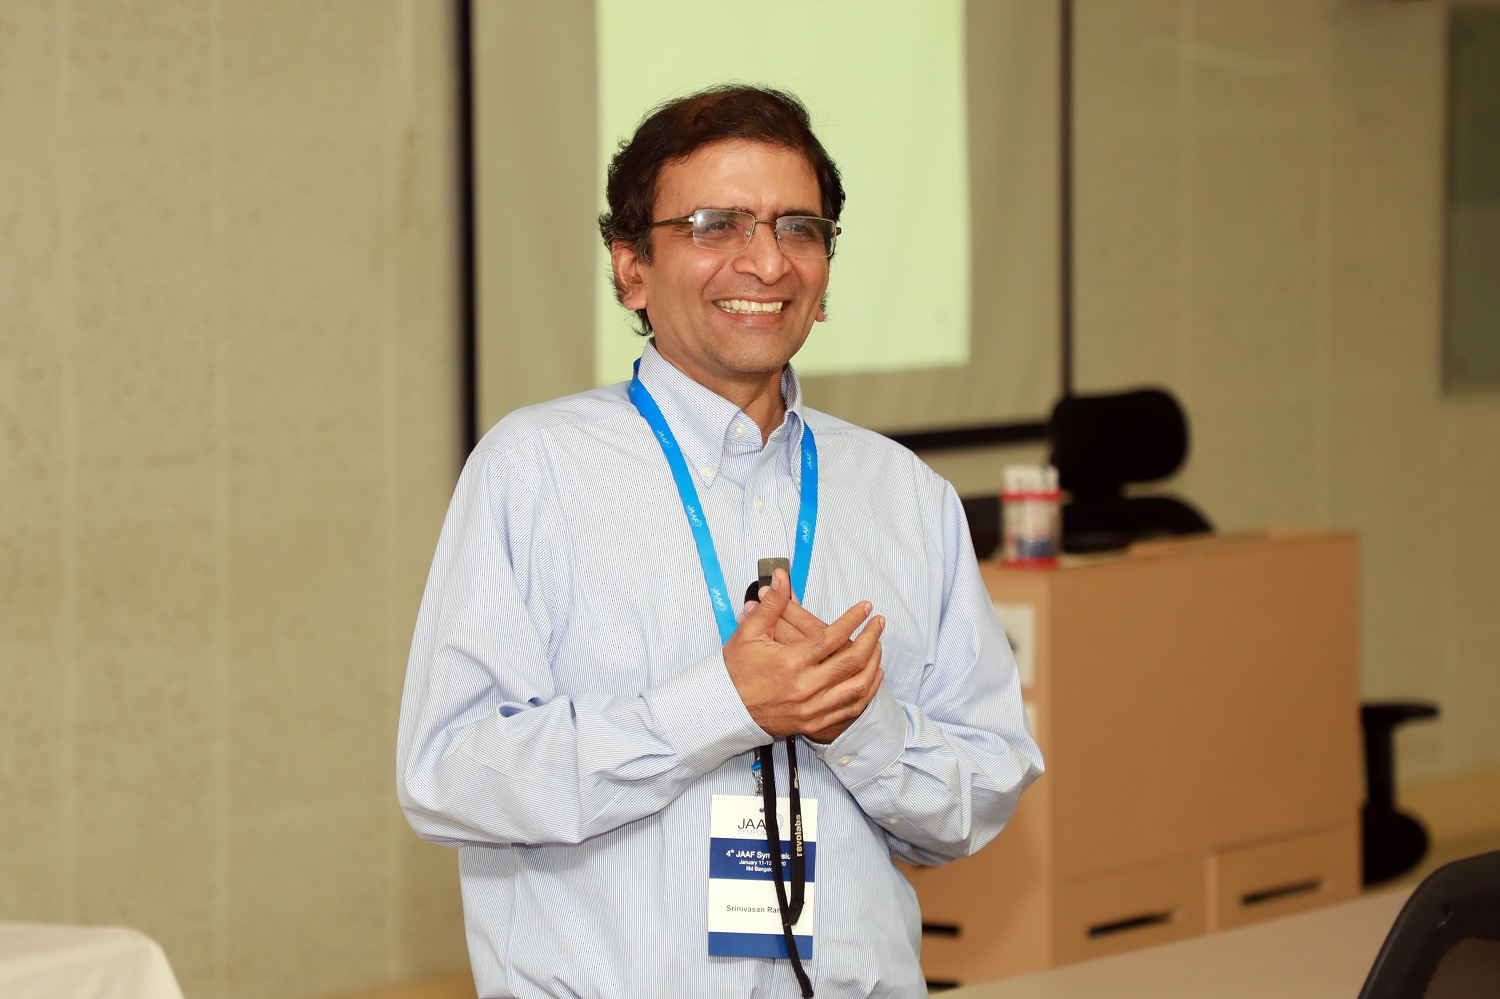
[[807, 515], [807, 524]]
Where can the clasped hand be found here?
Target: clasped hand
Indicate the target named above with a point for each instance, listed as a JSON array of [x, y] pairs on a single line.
[[797, 675]]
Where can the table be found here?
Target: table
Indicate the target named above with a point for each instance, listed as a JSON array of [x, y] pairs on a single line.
[[39, 961], [1323, 954], [1197, 703]]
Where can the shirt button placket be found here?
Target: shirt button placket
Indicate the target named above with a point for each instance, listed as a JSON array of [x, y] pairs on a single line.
[[762, 530]]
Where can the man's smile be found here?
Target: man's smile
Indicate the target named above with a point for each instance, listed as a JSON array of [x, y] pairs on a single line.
[[740, 306]]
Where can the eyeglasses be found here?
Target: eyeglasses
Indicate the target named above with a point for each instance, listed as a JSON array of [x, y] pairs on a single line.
[[723, 229]]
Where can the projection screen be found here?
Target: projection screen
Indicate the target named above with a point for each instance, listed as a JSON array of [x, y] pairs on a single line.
[[942, 115]]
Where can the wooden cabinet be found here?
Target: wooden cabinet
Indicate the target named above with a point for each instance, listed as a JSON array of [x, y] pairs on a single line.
[[1197, 704], [1283, 876]]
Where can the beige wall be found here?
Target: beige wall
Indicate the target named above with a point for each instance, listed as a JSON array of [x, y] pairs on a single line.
[[228, 428], [228, 419], [1259, 228]]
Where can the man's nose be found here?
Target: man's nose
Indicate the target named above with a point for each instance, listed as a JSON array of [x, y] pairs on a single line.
[[763, 257]]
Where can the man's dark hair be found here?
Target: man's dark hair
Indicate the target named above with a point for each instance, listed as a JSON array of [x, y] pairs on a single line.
[[677, 129]]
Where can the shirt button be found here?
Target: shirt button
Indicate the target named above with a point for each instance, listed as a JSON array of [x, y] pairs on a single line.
[[760, 504], [894, 821], [708, 473], [739, 430], [844, 760]]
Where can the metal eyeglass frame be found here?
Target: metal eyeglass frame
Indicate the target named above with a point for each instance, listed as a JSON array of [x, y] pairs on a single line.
[[750, 230]]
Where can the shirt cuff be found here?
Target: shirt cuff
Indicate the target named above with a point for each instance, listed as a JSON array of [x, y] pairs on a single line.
[[869, 747], [701, 716]]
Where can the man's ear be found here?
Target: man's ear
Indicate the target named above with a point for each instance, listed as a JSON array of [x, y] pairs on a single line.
[[630, 279]]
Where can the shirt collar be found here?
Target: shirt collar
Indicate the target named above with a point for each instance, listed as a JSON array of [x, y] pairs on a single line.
[[704, 421]]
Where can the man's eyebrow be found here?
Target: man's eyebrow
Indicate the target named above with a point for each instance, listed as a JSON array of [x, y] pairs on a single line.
[[811, 212]]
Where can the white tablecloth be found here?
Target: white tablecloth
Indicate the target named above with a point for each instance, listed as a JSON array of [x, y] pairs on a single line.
[[82, 962]]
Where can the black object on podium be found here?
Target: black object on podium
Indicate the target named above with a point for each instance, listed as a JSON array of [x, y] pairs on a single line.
[[1103, 443]]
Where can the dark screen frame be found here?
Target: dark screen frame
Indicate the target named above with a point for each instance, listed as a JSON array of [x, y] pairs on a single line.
[[945, 439]]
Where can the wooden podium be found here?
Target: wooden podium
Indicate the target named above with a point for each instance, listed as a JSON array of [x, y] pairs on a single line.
[[1197, 705]]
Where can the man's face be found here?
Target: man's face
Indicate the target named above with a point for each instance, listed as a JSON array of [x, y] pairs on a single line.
[[696, 297]]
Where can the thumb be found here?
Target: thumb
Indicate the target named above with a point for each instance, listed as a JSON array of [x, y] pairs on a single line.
[[764, 613]]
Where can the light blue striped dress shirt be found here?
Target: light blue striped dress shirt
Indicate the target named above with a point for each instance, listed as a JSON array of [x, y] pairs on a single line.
[[567, 714]]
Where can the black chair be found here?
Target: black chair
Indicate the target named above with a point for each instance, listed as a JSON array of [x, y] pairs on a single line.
[[1103, 443], [1445, 944], [1394, 841]]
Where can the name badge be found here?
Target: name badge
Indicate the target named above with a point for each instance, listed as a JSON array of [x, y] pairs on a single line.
[[743, 917]]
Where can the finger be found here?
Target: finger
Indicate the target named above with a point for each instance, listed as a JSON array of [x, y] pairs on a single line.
[[843, 703], [834, 637], [785, 634], [855, 655], [857, 691], [795, 625], [805, 621], [761, 615]]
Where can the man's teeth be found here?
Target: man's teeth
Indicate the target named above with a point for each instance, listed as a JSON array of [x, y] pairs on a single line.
[[738, 305]]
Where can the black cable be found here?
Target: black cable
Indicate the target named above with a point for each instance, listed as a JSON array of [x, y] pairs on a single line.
[[766, 756], [468, 292], [1065, 194]]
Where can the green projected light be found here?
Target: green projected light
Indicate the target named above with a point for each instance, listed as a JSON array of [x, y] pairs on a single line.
[[885, 84]]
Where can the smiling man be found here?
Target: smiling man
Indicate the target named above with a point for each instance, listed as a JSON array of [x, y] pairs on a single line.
[[732, 319], [663, 782]]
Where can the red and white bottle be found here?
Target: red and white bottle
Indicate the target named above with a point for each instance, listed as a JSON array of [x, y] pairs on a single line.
[[1031, 521]]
